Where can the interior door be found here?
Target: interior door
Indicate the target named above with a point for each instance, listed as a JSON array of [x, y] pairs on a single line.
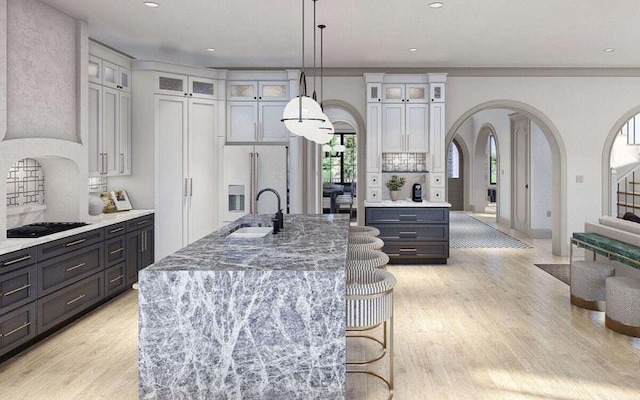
[[455, 177], [203, 215], [272, 173], [171, 125], [520, 202]]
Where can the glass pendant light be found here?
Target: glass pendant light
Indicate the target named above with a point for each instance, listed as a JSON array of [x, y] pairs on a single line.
[[302, 115]]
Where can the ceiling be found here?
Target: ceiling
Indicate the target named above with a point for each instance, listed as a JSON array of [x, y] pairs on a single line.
[[368, 34]]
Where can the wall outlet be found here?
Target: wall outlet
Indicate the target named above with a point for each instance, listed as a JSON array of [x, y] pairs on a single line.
[[548, 213], [579, 179]]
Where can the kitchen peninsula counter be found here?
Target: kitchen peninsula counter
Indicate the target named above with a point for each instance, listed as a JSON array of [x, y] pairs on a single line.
[[240, 318]]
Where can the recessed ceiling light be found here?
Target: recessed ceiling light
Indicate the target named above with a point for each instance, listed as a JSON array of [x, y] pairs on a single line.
[[211, 49], [436, 5], [609, 49], [413, 49], [152, 4]]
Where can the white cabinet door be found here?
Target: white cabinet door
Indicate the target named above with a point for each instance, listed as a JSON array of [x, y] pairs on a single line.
[[271, 128], [95, 69], [416, 92], [202, 173], [171, 84], [110, 126], [170, 196], [203, 88], [416, 128], [124, 79], [242, 121], [95, 130], [109, 74], [393, 119], [242, 90], [437, 137], [124, 134], [374, 92], [393, 93], [374, 124]]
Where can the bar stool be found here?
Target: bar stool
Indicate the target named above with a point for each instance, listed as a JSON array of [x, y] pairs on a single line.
[[365, 242], [363, 230], [369, 303], [623, 305], [365, 258], [587, 283]]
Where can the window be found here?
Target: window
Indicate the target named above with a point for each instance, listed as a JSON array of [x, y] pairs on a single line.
[[453, 161], [341, 168], [493, 161]]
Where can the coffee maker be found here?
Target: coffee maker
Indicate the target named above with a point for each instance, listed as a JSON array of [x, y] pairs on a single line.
[[416, 192]]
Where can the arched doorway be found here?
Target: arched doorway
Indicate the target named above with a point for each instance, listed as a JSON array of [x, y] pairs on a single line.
[[456, 157], [558, 162]]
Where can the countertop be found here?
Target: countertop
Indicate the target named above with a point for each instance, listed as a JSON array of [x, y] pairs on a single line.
[[94, 222], [405, 203], [308, 242]]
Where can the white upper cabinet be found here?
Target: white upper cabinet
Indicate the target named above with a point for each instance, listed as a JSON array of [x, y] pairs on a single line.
[[405, 128], [405, 93], [203, 88], [436, 92], [254, 111], [109, 113], [374, 92], [186, 86]]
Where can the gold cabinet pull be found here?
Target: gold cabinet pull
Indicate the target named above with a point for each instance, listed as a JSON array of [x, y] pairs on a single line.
[[14, 291], [116, 230], [16, 260], [15, 330], [74, 243], [116, 251], [75, 267], [116, 279], [74, 300]]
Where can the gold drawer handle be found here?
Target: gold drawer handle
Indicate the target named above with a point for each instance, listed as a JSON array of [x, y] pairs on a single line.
[[16, 260], [15, 330], [116, 230], [116, 251], [75, 267], [74, 300], [14, 291], [116, 279], [75, 243]]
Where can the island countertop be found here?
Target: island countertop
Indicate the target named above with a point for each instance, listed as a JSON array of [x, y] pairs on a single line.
[[308, 242], [406, 203], [238, 318]]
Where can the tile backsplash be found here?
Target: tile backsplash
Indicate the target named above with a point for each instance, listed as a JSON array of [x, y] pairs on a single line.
[[405, 191], [404, 162], [25, 184], [98, 184]]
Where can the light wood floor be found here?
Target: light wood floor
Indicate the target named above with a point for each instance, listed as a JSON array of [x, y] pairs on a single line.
[[489, 325]]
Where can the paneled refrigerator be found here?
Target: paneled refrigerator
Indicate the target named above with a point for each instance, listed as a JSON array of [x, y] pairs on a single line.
[[249, 169]]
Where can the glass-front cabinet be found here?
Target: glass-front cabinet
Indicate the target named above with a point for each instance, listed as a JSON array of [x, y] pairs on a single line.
[[402, 93]]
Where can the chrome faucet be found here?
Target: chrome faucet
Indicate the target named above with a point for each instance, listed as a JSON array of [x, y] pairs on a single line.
[[278, 220]]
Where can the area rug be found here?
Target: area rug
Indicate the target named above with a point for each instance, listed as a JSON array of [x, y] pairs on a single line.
[[560, 271], [467, 232]]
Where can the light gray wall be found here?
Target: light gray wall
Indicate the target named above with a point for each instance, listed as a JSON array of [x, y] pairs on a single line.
[[540, 180]]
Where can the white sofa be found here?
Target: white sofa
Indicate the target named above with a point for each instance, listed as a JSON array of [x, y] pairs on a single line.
[[619, 229]]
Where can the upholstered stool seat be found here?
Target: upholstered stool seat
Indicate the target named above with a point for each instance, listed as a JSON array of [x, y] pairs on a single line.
[[365, 258], [363, 230], [588, 283], [369, 303], [623, 305], [365, 242]]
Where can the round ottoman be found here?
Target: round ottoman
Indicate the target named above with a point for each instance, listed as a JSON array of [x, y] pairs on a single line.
[[364, 258], [363, 230], [623, 305], [365, 242], [587, 283]]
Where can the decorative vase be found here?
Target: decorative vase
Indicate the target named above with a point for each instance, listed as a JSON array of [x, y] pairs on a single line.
[[394, 195], [95, 204]]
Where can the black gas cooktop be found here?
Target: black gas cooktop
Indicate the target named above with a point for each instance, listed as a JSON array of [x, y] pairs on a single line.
[[41, 229]]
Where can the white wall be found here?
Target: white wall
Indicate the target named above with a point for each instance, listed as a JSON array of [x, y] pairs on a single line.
[[540, 182]]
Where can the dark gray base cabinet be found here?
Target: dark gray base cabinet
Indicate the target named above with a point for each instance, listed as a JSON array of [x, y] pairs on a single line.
[[45, 287], [412, 235]]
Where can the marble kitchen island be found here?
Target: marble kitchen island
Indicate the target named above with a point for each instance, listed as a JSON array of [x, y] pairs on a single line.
[[239, 318]]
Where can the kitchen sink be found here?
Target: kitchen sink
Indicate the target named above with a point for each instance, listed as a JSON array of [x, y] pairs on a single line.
[[251, 232]]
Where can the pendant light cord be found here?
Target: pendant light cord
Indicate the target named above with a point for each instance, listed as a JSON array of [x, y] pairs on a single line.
[[321, 64], [302, 75], [315, 74]]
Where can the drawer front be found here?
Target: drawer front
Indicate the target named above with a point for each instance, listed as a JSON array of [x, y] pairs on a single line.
[[422, 232], [115, 279], [63, 304], [376, 215], [17, 327], [70, 243], [61, 271], [417, 250], [17, 259], [114, 230], [17, 288], [115, 250], [140, 222]]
